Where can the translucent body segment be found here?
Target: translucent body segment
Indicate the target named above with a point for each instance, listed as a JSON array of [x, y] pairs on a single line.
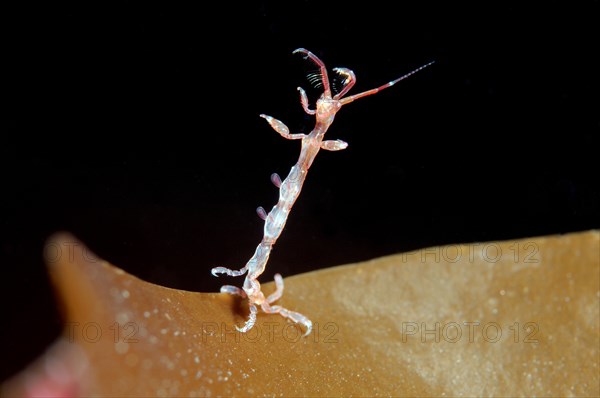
[[290, 188], [256, 265], [275, 222]]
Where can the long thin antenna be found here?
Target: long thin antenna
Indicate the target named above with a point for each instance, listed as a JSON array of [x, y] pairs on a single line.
[[378, 89]]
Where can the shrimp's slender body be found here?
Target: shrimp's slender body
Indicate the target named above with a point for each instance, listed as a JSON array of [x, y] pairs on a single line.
[[289, 190]]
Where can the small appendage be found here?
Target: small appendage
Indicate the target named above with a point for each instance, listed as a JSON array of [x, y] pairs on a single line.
[[304, 102], [276, 180], [281, 128], [262, 213], [332, 145], [234, 290], [276, 295], [295, 317], [222, 270]]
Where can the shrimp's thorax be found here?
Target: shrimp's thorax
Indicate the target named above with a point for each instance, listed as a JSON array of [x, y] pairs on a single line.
[[326, 110]]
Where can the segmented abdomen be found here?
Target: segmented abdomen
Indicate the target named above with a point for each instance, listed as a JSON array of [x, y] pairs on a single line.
[[288, 193]]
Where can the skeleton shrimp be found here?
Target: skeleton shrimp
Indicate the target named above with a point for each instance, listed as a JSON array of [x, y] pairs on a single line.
[[289, 190]]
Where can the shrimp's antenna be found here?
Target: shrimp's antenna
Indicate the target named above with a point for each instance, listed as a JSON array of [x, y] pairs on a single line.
[[354, 97]]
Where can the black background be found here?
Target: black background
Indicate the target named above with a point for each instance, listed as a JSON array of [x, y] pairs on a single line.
[[134, 125]]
